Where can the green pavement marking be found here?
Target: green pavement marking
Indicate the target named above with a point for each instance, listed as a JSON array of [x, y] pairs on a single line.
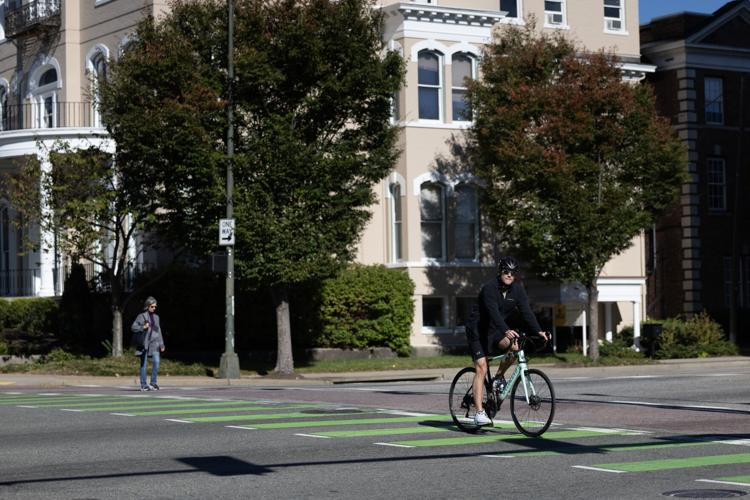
[[330, 423], [453, 441], [118, 402], [580, 449], [41, 400], [224, 409], [172, 404], [677, 463], [736, 479], [384, 432], [265, 416]]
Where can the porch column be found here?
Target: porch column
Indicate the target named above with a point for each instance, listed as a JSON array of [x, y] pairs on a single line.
[[608, 321], [637, 325]]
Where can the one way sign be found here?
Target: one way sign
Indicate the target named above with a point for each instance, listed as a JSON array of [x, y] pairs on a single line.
[[226, 232]]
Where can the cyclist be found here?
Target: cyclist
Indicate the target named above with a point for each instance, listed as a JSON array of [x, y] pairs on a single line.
[[488, 331]]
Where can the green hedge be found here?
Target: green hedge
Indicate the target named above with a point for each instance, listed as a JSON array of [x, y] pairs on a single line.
[[28, 326], [696, 337], [367, 306]]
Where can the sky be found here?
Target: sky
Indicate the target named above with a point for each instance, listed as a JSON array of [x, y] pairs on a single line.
[[648, 9]]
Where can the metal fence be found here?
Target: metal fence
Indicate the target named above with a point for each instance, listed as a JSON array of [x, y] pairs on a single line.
[[18, 282]]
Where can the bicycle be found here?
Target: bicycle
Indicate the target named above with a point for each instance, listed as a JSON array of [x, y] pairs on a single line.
[[532, 397]]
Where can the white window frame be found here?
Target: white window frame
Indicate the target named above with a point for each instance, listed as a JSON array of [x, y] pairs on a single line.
[[443, 223], [549, 15], [710, 84], [716, 184], [454, 87], [519, 9], [99, 52], [610, 21], [440, 86], [39, 96]]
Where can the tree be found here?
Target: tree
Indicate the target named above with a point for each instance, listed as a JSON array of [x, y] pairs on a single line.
[[92, 207], [312, 104], [576, 160]]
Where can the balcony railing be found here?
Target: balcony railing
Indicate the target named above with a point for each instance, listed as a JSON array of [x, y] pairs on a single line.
[[31, 15], [50, 115]]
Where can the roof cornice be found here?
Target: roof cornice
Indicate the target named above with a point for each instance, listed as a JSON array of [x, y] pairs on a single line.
[[446, 15]]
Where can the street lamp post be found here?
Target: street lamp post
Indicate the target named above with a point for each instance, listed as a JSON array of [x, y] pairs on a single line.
[[230, 364]]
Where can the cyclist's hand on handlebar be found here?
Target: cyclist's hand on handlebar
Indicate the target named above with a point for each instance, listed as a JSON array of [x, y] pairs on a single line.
[[511, 334], [545, 335]]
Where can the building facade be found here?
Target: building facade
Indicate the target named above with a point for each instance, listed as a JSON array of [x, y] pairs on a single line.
[[52, 52], [699, 254], [426, 220]]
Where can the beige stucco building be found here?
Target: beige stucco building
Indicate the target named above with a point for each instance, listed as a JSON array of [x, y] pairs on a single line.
[[426, 220]]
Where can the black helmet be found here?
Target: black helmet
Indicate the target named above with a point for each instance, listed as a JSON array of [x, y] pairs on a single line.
[[508, 264]]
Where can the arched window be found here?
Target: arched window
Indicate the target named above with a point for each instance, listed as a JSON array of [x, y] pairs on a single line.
[[467, 223], [429, 79], [44, 96], [49, 76], [432, 213], [396, 223], [462, 69], [98, 69]]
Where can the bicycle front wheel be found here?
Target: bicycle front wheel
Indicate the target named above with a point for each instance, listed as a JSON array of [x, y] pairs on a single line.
[[532, 405], [461, 400]]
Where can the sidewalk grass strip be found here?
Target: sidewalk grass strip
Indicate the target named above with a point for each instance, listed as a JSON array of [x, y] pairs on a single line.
[[494, 437], [678, 463], [220, 409], [342, 422], [264, 416]]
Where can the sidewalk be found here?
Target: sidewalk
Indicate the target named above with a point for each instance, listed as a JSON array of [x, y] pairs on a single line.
[[663, 367]]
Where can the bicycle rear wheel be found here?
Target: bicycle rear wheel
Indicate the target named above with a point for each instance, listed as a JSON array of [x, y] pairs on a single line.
[[461, 400], [532, 405]]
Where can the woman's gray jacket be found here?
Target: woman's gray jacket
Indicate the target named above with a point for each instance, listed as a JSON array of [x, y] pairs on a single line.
[[154, 340]]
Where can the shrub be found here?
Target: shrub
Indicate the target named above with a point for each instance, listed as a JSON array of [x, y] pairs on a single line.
[[698, 336], [32, 315], [367, 306]]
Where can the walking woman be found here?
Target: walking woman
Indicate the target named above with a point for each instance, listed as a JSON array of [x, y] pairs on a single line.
[[148, 321]]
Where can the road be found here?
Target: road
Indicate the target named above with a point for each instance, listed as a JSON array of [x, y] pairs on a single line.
[[618, 433]]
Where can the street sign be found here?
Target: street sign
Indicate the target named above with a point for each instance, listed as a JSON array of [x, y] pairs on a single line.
[[226, 232]]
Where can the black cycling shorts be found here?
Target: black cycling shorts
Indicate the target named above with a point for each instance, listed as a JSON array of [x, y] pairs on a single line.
[[483, 346]]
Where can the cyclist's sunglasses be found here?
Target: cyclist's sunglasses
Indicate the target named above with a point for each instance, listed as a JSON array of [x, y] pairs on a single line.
[[509, 272]]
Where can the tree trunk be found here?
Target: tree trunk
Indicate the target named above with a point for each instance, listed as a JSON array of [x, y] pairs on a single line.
[[116, 330], [284, 360], [593, 333], [116, 319]]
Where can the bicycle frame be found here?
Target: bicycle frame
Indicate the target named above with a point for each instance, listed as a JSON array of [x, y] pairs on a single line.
[[520, 371]]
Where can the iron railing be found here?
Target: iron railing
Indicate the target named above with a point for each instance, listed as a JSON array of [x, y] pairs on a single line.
[[49, 115], [28, 15], [17, 282]]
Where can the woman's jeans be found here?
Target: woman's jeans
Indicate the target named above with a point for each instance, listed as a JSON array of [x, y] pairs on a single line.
[[155, 359]]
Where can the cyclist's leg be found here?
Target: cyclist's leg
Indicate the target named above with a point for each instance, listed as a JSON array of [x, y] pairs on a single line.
[[480, 365], [505, 344]]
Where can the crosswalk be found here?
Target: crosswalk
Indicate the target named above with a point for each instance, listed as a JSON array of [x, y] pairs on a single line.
[[717, 460]]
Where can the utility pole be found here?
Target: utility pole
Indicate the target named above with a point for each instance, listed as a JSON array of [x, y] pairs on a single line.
[[734, 306], [230, 364]]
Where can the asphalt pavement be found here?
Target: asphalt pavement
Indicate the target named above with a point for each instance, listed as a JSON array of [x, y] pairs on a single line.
[[17, 380]]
